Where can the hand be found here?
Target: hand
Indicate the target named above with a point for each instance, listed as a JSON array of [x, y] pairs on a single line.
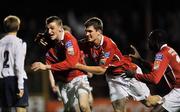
[[41, 39], [136, 53], [110, 69], [39, 66], [90, 75], [21, 93], [57, 92], [153, 100], [128, 74], [55, 88], [77, 65]]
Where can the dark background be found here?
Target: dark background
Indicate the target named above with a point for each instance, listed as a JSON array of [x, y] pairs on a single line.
[[125, 21]]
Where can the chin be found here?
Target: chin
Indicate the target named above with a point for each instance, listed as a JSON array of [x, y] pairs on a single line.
[[53, 38], [90, 40]]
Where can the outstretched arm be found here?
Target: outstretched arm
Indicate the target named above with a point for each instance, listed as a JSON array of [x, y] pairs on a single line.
[[92, 69], [137, 59]]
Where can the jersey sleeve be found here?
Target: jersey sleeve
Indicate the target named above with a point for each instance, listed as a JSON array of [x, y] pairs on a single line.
[[107, 55], [158, 70], [20, 52], [72, 56]]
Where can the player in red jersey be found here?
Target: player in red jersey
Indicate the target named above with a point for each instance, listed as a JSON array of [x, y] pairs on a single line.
[[60, 61], [105, 53], [166, 64]]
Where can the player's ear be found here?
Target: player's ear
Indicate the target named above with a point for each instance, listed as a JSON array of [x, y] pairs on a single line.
[[60, 29]]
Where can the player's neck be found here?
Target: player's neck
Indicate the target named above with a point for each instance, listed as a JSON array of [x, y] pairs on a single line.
[[61, 36], [98, 40], [12, 33]]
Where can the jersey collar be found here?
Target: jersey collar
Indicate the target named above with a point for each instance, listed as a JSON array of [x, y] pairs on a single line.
[[164, 45]]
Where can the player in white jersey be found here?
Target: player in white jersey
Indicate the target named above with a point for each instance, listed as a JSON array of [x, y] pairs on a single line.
[[13, 85]]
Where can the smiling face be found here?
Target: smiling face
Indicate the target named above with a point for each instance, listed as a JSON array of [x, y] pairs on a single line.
[[91, 34], [93, 30]]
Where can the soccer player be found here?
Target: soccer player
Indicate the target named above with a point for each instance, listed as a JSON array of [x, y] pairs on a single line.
[[53, 84], [166, 63], [105, 53], [60, 60], [13, 78]]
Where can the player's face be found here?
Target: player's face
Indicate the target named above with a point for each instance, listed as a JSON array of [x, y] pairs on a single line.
[[54, 30], [91, 34], [153, 45]]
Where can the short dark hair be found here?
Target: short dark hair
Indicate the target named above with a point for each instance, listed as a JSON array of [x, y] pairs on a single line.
[[11, 23], [156, 39], [158, 35], [54, 19], [96, 22]]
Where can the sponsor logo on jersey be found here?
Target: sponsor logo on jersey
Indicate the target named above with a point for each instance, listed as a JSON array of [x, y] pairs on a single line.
[[106, 54], [159, 57], [156, 65], [69, 47]]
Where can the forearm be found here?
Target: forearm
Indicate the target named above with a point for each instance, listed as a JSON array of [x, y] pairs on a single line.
[[51, 78], [92, 69]]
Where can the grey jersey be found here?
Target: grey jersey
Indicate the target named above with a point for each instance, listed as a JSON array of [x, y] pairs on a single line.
[[12, 56]]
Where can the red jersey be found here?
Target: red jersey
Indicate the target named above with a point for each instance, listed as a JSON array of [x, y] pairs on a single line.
[[63, 58], [106, 53], [166, 57]]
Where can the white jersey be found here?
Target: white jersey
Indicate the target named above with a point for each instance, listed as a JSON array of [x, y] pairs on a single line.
[[12, 56]]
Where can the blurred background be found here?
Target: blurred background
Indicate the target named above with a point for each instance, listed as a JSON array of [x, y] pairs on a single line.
[[126, 22]]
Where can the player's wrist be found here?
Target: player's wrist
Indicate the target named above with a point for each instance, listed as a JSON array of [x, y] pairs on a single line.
[[48, 67], [22, 89]]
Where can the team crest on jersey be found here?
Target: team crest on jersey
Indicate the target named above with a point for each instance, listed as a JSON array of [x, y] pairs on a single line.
[[159, 57], [106, 54], [69, 47]]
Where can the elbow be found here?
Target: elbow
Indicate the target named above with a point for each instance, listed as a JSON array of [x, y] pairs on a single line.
[[155, 82], [101, 70], [72, 64]]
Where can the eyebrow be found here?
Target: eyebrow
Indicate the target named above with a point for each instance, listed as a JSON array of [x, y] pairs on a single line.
[[88, 30]]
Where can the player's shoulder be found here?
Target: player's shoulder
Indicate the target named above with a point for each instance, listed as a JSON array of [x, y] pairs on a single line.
[[108, 41], [69, 37], [166, 50], [19, 41]]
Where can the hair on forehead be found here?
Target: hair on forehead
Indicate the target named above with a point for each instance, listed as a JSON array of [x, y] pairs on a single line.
[[54, 19], [95, 22]]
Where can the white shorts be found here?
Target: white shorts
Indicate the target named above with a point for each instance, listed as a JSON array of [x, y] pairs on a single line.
[[120, 88], [70, 91], [171, 101]]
